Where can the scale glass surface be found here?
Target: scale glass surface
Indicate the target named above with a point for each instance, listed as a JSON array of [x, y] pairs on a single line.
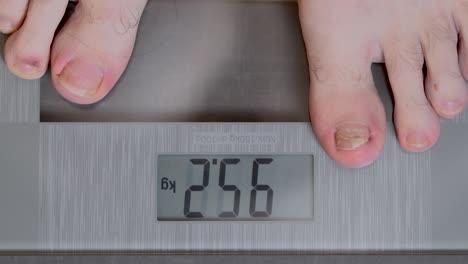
[[205, 146]]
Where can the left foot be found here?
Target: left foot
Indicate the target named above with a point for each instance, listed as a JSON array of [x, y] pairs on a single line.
[[343, 39]]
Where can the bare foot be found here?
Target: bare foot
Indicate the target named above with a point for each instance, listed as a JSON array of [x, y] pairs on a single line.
[[344, 38], [87, 56]]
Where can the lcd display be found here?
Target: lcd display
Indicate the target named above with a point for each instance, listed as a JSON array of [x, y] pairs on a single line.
[[235, 187]]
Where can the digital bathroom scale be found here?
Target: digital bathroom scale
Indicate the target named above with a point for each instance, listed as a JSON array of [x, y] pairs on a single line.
[[205, 146]]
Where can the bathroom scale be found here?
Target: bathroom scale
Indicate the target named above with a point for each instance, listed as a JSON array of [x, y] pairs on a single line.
[[205, 146]]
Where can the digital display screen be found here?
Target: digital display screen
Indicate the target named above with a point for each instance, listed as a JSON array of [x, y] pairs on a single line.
[[235, 187]]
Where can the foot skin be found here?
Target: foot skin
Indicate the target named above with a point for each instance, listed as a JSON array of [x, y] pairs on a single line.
[[344, 38], [87, 56]]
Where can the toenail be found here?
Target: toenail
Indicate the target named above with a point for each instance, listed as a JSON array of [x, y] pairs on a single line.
[[452, 108], [29, 68], [351, 136], [5, 24], [81, 78], [417, 141]]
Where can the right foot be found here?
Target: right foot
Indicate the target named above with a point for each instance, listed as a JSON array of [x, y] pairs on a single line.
[[343, 39], [89, 53]]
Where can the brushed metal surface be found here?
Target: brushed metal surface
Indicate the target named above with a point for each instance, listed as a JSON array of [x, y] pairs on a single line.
[[19, 182], [98, 185], [449, 188], [245, 259]]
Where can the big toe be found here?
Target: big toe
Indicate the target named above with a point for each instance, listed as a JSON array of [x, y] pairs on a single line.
[[347, 115], [92, 50], [349, 120]]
